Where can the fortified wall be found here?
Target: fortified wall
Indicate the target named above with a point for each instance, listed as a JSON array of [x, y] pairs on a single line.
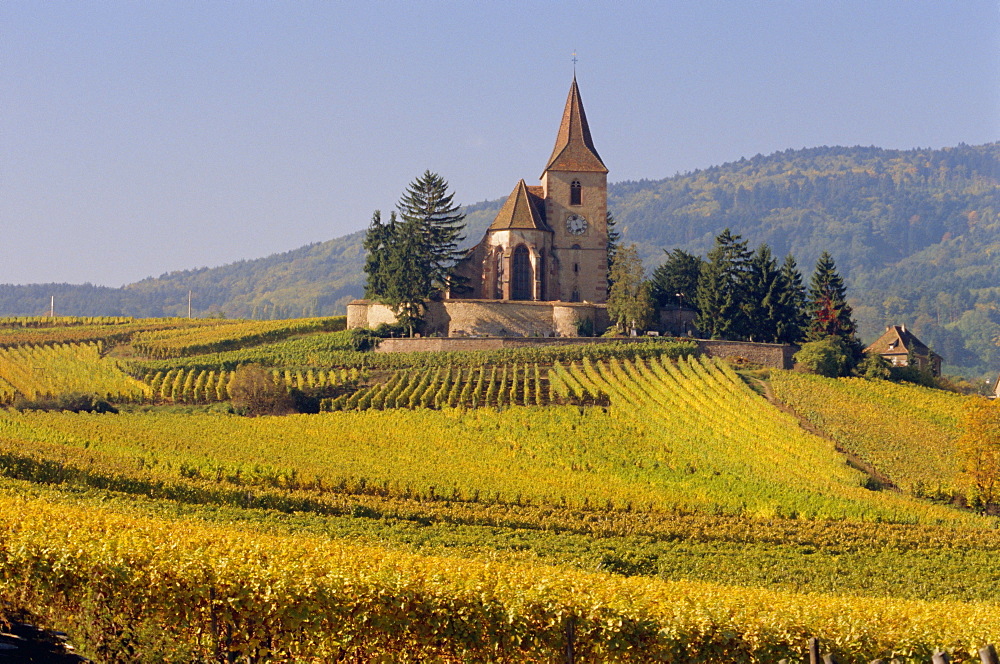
[[777, 356], [491, 318]]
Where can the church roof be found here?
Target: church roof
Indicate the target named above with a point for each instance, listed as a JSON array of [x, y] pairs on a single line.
[[523, 210], [897, 340], [574, 150]]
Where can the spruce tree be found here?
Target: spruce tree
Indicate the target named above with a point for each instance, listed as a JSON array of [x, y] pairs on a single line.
[[408, 277], [676, 281], [829, 313], [411, 257], [761, 294], [792, 316], [427, 207], [721, 288], [377, 244]]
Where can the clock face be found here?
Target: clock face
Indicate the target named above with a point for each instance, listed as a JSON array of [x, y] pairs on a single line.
[[576, 224]]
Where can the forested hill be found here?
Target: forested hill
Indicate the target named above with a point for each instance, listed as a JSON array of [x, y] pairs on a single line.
[[916, 234]]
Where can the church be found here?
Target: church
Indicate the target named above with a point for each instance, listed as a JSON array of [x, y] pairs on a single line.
[[549, 242], [541, 270]]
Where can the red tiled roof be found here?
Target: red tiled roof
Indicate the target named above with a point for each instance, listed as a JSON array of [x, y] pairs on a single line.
[[574, 149], [523, 210]]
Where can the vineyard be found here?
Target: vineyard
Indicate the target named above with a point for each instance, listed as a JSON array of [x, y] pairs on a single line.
[[180, 342], [45, 371], [907, 433], [629, 501]]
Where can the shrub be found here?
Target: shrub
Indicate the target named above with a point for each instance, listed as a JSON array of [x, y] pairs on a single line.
[[255, 392], [829, 357], [76, 402], [874, 366]]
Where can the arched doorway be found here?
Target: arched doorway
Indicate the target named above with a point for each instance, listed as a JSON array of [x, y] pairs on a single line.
[[521, 278]]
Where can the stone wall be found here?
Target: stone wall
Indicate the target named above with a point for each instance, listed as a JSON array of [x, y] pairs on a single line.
[[490, 318], [777, 356]]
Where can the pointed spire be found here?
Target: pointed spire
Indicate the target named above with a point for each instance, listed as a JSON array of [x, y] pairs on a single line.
[[520, 211], [574, 150]]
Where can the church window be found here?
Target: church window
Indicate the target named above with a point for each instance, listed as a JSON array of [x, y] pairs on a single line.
[[521, 278], [575, 297], [575, 193], [576, 267]]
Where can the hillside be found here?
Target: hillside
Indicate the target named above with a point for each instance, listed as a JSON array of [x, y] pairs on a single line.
[[635, 500], [914, 233]]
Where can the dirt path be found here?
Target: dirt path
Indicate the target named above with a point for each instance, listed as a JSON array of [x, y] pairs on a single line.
[[854, 461]]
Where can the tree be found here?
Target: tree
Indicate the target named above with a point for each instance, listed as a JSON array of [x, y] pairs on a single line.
[[255, 392], [377, 244], [614, 237], [791, 304], [829, 313], [720, 288], [762, 293], [427, 208], [412, 257], [630, 306], [409, 281], [676, 281], [979, 445]]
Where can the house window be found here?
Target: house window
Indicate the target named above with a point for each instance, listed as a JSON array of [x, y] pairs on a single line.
[[575, 193]]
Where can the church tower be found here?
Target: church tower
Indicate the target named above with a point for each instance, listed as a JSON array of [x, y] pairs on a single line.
[[575, 191], [549, 242]]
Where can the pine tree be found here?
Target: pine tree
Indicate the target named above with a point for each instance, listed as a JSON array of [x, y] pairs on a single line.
[[676, 281], [720, 288], [791, 304], [630, 305], [829, 313]]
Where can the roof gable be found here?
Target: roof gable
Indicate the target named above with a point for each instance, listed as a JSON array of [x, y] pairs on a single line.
[[574, 149], [522, 210], [897, 340]]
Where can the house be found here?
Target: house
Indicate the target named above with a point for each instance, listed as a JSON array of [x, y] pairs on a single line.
[[900, 347]]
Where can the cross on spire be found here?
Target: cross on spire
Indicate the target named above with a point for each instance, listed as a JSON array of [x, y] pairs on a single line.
[[574, 62]]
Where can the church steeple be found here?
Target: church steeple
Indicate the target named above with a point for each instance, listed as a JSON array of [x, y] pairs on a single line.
[[574, 149]]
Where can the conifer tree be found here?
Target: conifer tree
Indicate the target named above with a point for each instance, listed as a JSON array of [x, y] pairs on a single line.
[[429, 209], [829, 313], [614, 237], [761, 294], [408, 281], [791, 304], [377, 246], [721, 288], [411, 257], [676, 281]]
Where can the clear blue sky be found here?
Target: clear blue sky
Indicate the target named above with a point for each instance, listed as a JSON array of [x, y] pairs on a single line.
[[138, 138]]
